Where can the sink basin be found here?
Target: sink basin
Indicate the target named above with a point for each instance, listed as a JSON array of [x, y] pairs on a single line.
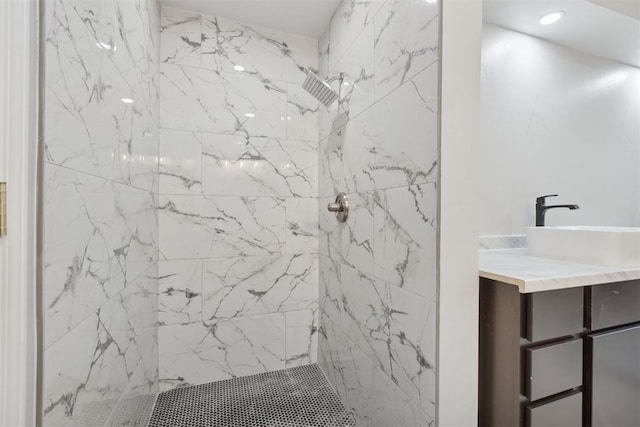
[[604, 246]]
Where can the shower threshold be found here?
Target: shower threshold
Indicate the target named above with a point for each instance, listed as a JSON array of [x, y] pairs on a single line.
[[299, 396]]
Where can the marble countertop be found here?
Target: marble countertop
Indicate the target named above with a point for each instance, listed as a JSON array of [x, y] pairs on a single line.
[[533, 274]]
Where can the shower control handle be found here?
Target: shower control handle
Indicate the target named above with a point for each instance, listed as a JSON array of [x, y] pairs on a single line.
[[340, 207], [334, 207]]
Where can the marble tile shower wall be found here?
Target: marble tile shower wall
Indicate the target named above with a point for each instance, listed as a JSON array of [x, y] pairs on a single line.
[[238, 200], [100, 225], [377, 340]]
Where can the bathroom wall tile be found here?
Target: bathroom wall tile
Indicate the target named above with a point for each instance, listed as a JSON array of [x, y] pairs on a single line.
[[324, 51], [132, 229], [247, 286], [357, 233], [412, 347], [138, 47], [329, 230], [329, 293], [235, 165], [78, 136], [86, 83], [125, 31], [101, 231], [180, 37], [246, 225], [377, 271], [143, 151], [139, 302], [391, 406], [180, 162], [99, 236], [301, 337], [357, 65], [183, 229], [406, 42], [75, 376], [394, 328], [259, 180], [82, 383], [180, 291], [204, 227], [393, 143], [426, 85], [265, 54], [199, 353], [348, 22], [366, 316], [349, 372], [350, 242], [302, 225], [201, 100], [404, 243], [332, 169], [302, 114]]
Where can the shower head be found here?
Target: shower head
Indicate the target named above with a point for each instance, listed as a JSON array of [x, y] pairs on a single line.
[[319, 89]]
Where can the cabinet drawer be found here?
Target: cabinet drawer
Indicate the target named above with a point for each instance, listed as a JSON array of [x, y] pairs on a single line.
[[553, 368], [554, 314], [565, 412], [613, 304]]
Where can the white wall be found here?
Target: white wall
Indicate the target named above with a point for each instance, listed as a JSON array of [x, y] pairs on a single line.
[[457, 243], [556, 121]]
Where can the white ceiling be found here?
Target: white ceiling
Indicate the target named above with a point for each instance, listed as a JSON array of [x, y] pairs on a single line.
[[303, 17], [610, 32]]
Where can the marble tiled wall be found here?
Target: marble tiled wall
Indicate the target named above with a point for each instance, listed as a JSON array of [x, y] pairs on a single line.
[[99, 301], [378, 282], [238, 200]]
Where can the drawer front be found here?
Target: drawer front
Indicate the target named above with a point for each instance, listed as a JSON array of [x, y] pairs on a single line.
[[614, 304], [565, 412], [553, 368], [554, 314]]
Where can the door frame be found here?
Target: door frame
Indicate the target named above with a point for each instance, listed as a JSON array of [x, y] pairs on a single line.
[[19, 260]]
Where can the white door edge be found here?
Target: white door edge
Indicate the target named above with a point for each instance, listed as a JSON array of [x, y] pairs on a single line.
[[19, 41]]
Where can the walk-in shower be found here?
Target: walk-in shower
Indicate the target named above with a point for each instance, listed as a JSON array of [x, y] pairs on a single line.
[[190, 259]]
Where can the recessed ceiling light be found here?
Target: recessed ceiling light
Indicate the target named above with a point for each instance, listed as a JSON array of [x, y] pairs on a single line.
[[238, 68], [551, 18], [127, 100], [250, 115]]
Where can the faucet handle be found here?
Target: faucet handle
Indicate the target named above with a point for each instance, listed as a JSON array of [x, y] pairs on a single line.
[[540, 200]]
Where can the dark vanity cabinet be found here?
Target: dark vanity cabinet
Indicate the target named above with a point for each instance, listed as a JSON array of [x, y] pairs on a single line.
[[568, 357]]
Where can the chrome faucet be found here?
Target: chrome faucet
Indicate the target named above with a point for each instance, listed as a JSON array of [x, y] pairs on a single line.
[[542, 208]]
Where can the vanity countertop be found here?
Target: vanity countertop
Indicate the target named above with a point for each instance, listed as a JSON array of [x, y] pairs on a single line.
[[533, 274]]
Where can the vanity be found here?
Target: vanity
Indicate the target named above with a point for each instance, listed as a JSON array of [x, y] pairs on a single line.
[[559, 339]]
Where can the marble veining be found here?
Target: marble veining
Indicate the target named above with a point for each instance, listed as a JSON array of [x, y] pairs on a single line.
[[380, 148], [101, 224], [502, 242], [377, 272], [533, 274], [237, 209], [212, 226], [236, 287], [406, 41]]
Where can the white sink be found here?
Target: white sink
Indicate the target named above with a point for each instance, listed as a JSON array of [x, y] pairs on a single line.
[[604, 246]]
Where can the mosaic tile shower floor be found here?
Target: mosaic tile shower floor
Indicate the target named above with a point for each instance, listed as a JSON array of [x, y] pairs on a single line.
[[299, 396]]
